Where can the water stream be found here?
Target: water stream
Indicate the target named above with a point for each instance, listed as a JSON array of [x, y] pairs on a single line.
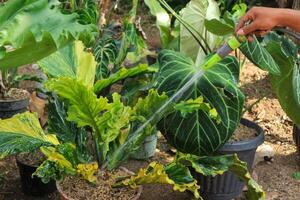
[[173, 99]]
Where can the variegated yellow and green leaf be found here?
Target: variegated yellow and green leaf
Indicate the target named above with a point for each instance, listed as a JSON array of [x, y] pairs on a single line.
[[88, 171], [35, 29], [217, 165], [200, 133], [23, 133], [174, 174], [71, 61]]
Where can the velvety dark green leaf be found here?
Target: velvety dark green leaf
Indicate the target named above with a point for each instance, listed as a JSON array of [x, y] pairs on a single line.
[[257, 54], [35, 29], [198, 133], [105, 52], [23, 133]]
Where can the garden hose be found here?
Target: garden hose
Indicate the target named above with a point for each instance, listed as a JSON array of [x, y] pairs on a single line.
[[231, 45]]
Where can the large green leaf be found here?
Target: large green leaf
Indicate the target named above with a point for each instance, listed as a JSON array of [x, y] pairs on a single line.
[[286, 85], [198, 133], [174, 174], [257, 54], [195, 13], [71, 61], [217, 165], [163, 21], [23, 133], [35, 29]]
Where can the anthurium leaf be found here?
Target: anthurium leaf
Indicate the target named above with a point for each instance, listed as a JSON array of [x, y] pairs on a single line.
[[73, 62], [217, 165], [55, 167], [198, 133], [88, 171], [195, 13], [105, 52], [286, 85], [176, 175], [23, 133], [121, 74], [218, 27], [163, 21], [43, 30], [258, 54]]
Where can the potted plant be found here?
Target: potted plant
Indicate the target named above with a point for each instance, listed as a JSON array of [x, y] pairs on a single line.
[[219, 81], [20, 45], [35, 39]]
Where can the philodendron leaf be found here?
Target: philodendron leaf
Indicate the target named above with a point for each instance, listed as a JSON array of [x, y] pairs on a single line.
[[176, 175], [195, 13], [217, 165], [163, 21], [258, 54], [71, 61], [35, 29], [121, 74], [218, 27], [286, 85], [23, 133], [198, 133]]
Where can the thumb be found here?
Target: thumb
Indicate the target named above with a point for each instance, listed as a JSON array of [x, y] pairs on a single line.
[[254, 26]]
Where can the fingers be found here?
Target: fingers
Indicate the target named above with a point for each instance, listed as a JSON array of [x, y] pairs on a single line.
[[249, 16]]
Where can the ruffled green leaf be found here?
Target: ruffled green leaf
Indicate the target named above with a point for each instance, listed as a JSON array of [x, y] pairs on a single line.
[[23, 133], [176, 175], [35, 29], [71, 61]]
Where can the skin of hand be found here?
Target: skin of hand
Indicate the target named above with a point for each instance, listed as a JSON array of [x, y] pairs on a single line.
[[260, 20]]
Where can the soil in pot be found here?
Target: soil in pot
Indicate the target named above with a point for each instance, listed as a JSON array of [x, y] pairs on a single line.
[[243, 133], [28, 163], [13, 102], [76, 188]]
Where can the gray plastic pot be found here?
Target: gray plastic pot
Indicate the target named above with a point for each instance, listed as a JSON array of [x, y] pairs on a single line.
[[296, 136], [9, 108], [147, 148], [228, 186]]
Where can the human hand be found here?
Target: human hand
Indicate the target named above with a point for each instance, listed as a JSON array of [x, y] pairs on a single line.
[[261, 20]]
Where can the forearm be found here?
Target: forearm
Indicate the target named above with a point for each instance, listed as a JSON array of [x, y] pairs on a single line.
[[290, 18]]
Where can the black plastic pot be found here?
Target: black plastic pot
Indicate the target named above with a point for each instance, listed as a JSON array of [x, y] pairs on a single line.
[[228, 186], [33, 186], [8, 108], [296, 136]]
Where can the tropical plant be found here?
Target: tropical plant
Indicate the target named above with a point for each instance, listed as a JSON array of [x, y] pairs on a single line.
[[44, 30]]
